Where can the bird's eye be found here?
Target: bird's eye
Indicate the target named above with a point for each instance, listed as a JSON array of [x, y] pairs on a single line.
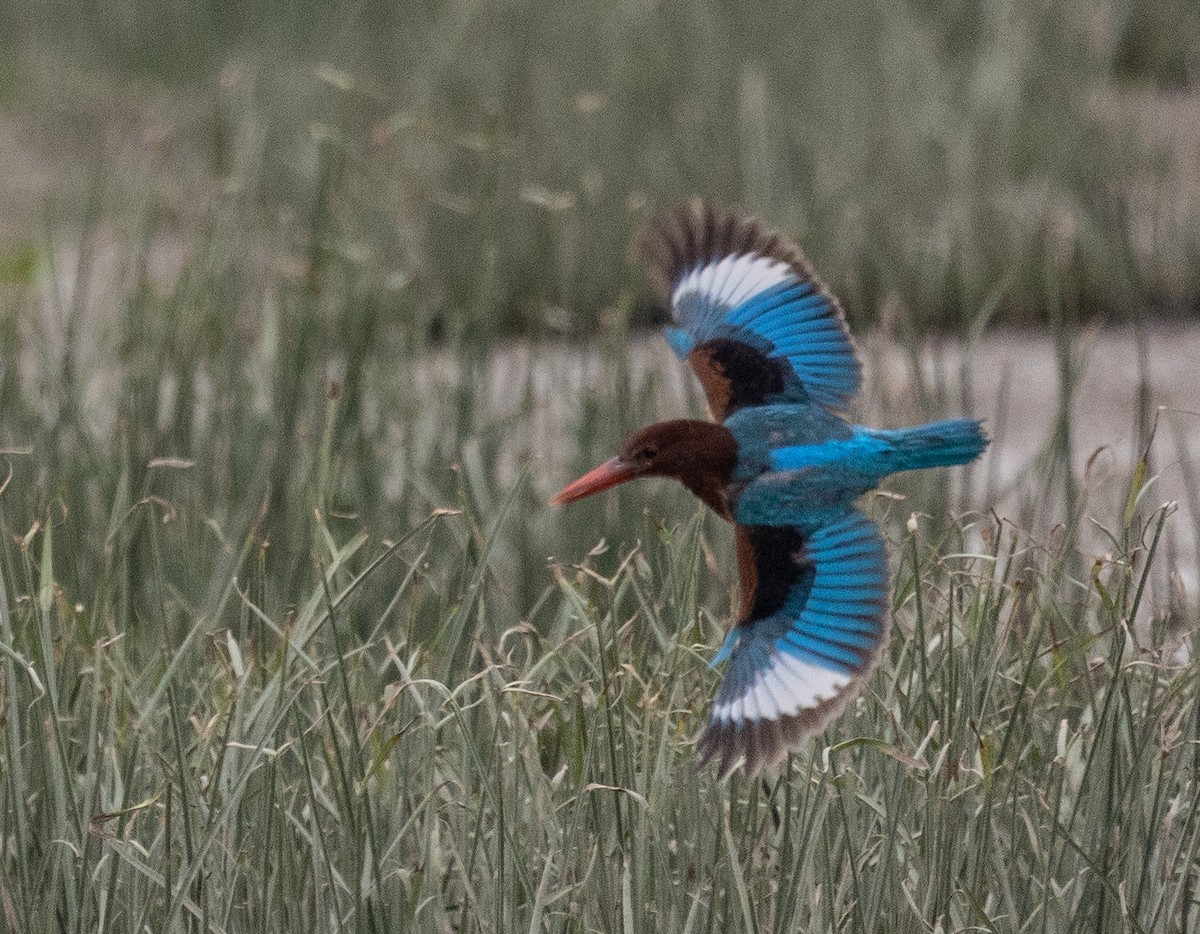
[[647, 454]]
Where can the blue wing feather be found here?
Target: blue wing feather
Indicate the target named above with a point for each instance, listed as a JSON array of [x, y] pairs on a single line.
[[818, 651], [795, 662], [728, 279]]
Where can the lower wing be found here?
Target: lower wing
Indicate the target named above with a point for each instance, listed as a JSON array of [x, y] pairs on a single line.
[[813, 624]]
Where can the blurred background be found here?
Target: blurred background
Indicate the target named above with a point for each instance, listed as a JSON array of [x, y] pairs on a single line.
[[934, 153]]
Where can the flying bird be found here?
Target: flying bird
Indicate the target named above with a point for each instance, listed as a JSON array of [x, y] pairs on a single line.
[[771, 349]]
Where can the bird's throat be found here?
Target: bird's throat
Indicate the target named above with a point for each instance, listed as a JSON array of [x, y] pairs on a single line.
[[711, 491]]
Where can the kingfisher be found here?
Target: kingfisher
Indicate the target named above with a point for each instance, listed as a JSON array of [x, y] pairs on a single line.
[[780, 461]]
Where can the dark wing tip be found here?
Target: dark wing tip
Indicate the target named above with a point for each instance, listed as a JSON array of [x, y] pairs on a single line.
[[764, 744], [702, 230]]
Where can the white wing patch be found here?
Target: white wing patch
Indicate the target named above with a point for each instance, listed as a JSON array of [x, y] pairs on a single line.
[[782, 689], [732, 280]]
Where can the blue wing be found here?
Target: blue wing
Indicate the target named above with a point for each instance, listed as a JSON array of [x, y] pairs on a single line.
[[812, 626], [751, 318]]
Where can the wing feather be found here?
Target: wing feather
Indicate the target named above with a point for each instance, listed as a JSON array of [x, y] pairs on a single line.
[[750, 316], [811, 630]]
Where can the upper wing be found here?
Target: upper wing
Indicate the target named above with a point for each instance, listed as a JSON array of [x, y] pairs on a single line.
[[812, 626], [754, 322]]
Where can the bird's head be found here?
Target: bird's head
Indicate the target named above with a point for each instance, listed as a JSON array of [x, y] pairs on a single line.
[[701, 455]]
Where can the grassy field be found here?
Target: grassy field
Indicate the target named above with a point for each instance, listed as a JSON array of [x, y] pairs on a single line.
[[289, 640]]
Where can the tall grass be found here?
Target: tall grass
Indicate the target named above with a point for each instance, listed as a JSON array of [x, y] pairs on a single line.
[[388, 752]]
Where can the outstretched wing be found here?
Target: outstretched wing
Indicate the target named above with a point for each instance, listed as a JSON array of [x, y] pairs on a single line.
[[813, 624], [751, 318]]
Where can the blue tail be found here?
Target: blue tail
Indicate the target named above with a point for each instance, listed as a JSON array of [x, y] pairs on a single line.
[[938, 444]]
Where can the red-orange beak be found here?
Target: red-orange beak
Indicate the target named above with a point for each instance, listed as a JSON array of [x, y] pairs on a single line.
[[608, 474]]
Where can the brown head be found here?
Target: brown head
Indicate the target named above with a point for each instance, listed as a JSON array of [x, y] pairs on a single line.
[[700, 455]]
